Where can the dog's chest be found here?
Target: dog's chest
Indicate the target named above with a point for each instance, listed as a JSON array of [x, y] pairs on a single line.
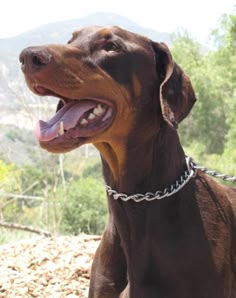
[[162, 246]]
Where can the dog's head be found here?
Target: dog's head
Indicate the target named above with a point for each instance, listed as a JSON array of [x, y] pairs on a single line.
[[111, 83]]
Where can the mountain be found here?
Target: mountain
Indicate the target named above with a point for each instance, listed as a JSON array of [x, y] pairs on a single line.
[[60, 32]]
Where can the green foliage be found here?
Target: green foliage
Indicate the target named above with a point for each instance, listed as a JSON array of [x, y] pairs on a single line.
[[187, 52], [209, 134], [93, 170], [86, 209], [213, 74], [9, 177], [70, 205], [223, 163], [207, 122], [20, 181], [225, 58]]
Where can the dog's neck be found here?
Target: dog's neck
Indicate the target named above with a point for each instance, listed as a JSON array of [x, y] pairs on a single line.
[[148, 165]]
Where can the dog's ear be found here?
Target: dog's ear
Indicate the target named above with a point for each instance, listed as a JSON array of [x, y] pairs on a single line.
[[176, 92]]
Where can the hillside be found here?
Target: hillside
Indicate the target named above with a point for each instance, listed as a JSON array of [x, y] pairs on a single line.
[[61, 31]]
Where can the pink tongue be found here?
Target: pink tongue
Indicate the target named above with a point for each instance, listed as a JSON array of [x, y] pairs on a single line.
[[70, 114]]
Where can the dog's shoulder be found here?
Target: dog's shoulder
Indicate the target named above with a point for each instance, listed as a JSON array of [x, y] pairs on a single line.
[[213, 195]]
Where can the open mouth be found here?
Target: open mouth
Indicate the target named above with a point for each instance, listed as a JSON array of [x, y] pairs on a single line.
[[76, 118]]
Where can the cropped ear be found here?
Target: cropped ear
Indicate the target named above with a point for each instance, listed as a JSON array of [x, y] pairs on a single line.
[[176, 92]]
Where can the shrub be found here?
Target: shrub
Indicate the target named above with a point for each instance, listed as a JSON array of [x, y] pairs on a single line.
[[85, 210]]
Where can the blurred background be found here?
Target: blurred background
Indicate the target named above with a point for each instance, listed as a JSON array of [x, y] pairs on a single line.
[[64, 194]]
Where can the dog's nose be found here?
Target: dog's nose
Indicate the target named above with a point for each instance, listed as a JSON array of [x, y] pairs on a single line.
[[33, 59]]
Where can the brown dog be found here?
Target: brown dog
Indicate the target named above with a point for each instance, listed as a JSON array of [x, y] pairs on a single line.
[[123, 93]]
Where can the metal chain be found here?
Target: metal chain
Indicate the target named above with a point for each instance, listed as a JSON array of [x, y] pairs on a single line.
[[192, 167], [160, 194], [213, 173]]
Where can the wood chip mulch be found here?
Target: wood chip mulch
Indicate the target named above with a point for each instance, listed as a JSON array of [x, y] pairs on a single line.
[[47, 267]]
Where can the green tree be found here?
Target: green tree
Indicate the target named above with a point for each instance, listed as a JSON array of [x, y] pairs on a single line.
[[225, 59], [207, 123]]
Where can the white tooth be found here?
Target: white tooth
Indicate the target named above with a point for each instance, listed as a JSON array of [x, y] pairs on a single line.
[[84, 122], [91, 116], [108, 115], [98, 110], [61, 129]]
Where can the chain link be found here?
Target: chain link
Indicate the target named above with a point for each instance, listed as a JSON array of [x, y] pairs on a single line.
[[213, 173], [192, 167], [160, 194]]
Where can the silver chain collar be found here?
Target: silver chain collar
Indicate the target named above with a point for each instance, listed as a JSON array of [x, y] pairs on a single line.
[[192, 167], [213, 173]]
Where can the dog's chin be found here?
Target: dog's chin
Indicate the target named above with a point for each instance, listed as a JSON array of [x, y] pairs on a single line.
[[62, 145]]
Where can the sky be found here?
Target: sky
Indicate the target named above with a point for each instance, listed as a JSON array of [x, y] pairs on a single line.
[[198, 17]]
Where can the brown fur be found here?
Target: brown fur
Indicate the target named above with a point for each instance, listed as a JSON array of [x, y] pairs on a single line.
[[183, 246]]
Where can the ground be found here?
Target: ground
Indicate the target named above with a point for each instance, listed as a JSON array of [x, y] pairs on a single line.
[[57, 267]]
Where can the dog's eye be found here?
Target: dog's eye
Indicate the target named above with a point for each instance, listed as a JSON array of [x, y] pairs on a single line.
[[110, 47]]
